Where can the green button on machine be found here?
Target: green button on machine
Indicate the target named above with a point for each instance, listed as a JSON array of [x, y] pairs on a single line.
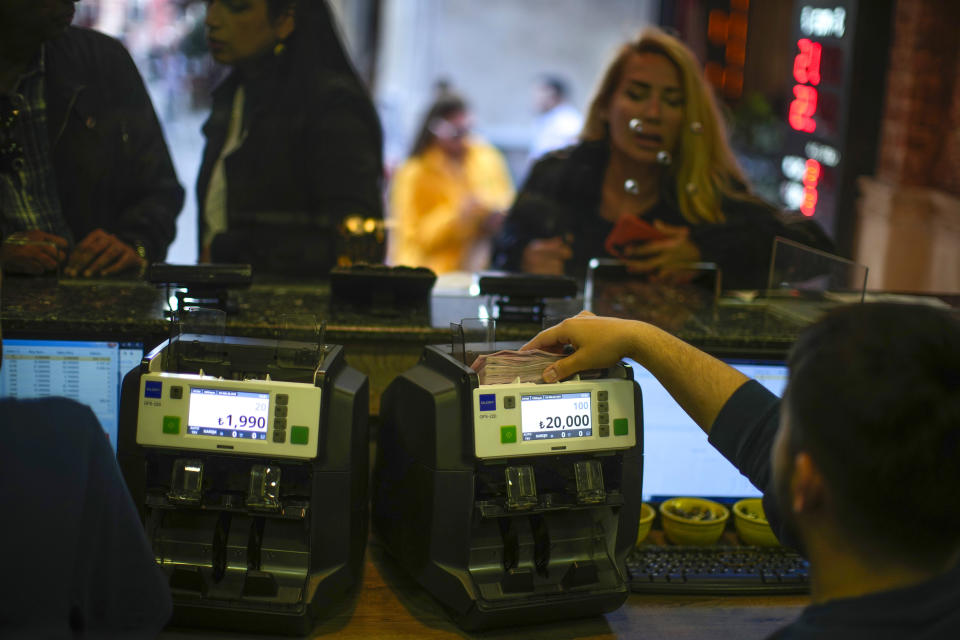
[[508, 434], [621, 426], [299, 435], [171, 424]]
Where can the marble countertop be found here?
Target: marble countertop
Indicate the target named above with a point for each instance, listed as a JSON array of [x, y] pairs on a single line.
[[123, 308]]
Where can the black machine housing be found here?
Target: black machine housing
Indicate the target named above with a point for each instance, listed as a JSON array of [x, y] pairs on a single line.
[[440, 510], [235, 567]]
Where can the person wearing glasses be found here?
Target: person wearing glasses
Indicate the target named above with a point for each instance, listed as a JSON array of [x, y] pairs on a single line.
[[447, 199], [86, 180]]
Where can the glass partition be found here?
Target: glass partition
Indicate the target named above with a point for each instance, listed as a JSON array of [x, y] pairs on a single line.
[[797, 270]]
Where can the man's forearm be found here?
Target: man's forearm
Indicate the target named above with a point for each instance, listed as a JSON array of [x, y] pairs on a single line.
[[699, 383]]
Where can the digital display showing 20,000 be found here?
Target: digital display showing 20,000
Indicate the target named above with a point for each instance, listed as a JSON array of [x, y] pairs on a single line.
[[555, 415], [229, 414]]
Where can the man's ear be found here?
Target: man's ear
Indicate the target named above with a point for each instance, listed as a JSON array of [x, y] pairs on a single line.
[[807, 488]]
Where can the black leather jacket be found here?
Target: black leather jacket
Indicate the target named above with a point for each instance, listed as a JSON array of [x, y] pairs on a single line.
[[112, 166], [562, 198], [311, 156]]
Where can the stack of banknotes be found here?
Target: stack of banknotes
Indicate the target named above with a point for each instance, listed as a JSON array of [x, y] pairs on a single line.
[[514, 366]]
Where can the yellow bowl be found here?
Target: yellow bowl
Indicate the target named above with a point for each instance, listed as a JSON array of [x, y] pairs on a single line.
[[646, 520], [693, 521], [751, 523]]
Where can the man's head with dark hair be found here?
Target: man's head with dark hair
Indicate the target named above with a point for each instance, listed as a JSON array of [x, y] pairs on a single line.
[[868, 453], [557, 85], [550, 91], [25, 24]]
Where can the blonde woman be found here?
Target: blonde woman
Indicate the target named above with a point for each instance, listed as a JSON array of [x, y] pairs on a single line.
[[653, 182]]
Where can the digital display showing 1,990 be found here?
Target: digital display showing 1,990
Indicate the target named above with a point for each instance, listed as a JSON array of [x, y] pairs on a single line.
[[228, 414], [555, 415]]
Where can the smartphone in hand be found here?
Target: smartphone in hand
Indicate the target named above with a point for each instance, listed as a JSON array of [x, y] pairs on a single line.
[[630, 230]]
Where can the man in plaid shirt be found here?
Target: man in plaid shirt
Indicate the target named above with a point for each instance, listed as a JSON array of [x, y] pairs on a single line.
[[86, 180]]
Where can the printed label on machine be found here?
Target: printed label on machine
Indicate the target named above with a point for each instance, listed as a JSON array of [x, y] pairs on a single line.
[[555, 415]]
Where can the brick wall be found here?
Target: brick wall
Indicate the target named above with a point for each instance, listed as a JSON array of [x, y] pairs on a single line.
[[947, 170], [920, 136]]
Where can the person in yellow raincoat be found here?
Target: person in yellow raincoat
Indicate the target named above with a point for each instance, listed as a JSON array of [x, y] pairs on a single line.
[[447, 200]]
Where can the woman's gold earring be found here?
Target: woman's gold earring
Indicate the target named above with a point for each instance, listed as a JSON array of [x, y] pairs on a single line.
[[279, 48]]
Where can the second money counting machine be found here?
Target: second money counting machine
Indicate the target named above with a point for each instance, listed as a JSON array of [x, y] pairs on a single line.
[[510, 503], [248, 460]]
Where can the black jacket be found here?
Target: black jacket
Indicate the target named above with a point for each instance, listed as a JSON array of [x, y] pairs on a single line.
[[84, 566], [112, 167], [744, 433], [562, 197], [311, 156]]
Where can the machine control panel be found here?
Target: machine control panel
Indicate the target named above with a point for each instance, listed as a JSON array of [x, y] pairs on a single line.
[[525, 419], [260, 417]]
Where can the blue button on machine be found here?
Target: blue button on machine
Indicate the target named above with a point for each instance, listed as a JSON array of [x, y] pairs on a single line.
[[488, 402]]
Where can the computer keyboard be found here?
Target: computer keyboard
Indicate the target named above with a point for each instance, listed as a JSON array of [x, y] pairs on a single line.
[[717, 570]]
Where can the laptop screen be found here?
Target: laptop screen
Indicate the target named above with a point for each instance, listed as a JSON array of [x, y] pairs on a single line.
[[678, 460], [89, 372]]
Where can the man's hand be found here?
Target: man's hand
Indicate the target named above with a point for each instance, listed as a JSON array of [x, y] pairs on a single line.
[[32, 252], [599, 342], [546, 256], [699, 383], [102, 253], [676, 250]]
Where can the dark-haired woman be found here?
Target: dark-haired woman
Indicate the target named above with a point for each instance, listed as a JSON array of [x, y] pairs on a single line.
[[447, 199], [293, 140]]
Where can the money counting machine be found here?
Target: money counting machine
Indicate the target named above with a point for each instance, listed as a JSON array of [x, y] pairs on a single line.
[[510, 503], [248, 460]]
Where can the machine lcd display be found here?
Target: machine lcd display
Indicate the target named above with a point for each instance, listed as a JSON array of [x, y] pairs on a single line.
[[546, 416], [228, 414]]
